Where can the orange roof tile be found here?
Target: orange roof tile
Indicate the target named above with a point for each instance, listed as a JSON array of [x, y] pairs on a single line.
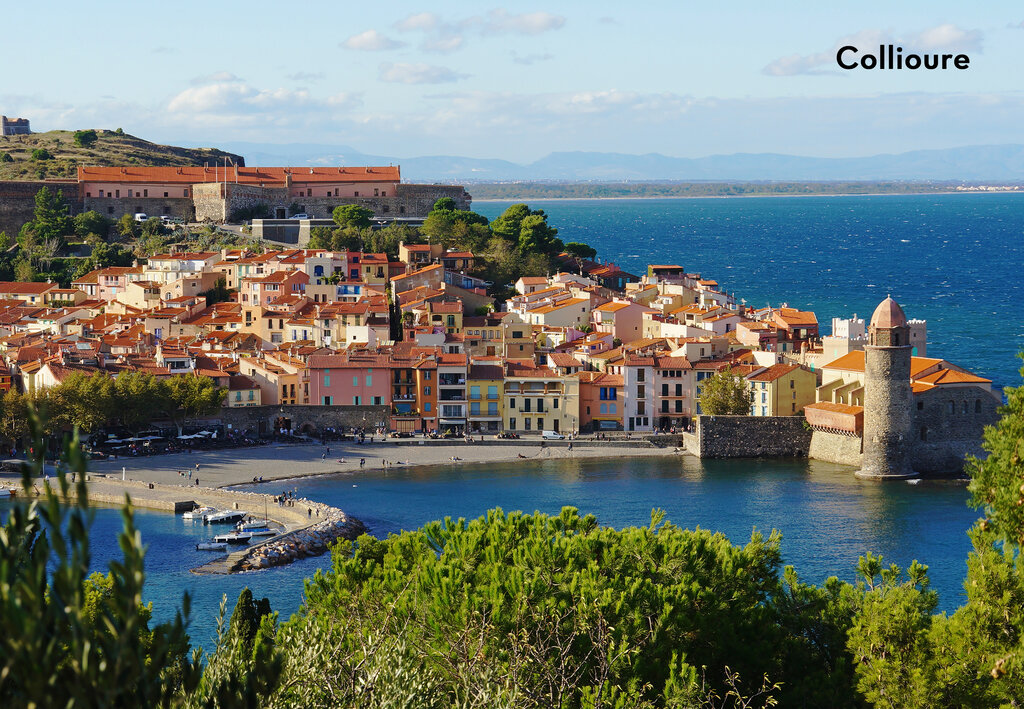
[[242, 175]]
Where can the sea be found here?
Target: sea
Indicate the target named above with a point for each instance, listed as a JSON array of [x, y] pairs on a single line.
[[954, 260]]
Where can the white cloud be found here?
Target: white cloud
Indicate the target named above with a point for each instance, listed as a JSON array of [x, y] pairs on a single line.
[[500, 21], [448, 36], [306, 76], [403, 73], [371, 41], [215, 77], [941, 38], [528, 59], [421, 21]]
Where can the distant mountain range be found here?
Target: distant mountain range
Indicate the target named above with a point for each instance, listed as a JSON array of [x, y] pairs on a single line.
[[1002, 163]]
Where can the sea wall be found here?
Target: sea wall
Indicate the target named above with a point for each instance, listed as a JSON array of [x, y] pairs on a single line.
[[835, 448], [749, 437], [304, 418]]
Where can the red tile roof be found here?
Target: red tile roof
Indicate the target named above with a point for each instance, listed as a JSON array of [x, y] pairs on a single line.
[[242, 175]]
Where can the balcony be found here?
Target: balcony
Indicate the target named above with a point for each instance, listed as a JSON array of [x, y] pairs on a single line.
[[450, 380], [451, 396], [403, 397]]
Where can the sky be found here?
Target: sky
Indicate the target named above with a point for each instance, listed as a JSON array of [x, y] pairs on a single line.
[[520, 80]]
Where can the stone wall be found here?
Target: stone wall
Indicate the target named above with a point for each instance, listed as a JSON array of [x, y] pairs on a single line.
[[749, 437], [835, 448], [18, 201], [208, 202], [305, 419], [115, 207]]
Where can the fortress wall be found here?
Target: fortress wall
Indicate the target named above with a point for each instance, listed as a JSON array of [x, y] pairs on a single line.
[[18, 201], [835, 448], [751, 437], [261, 418], [116, 207]]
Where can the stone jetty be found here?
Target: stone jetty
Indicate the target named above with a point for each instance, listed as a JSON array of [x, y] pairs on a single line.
[[332, 524]]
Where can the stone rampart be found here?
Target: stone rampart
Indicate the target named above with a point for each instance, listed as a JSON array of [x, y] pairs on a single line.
[[304, 419], [835, 448], [18, 201], [749, 437], [115, 207]]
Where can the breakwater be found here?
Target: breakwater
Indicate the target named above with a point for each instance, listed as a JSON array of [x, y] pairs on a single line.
[[308, 527]]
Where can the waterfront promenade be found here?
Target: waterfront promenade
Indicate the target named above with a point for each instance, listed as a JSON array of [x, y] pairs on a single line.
[[275, 463]]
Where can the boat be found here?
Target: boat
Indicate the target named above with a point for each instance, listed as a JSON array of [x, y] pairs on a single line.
[[211, 546], [233, 538], [261, 532], [198, 513], [225, 517], [5, 492]]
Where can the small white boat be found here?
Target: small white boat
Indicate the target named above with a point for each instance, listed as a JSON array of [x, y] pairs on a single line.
[[5, 493], [225, 517], [198, 513], [262, 532], [211, 546], [252, 525], [233, 538]]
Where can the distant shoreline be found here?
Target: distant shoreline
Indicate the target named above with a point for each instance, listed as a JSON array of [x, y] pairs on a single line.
[[732, 196]]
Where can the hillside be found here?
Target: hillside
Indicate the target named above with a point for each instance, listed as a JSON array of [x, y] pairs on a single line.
[[110, 148]]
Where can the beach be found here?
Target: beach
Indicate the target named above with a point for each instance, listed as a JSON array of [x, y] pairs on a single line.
[[277, 462]]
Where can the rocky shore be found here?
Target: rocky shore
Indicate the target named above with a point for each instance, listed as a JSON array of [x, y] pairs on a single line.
[[312, 540]]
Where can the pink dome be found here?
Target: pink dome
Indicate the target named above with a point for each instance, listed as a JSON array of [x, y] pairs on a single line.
[[888, 314]]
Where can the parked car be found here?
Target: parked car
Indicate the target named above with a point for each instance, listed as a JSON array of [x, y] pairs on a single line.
[[301, 215], [171, 220], [141, 216], [552, 436]]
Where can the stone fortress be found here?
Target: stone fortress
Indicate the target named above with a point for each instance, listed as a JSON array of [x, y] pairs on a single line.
[[218, 194], [896, 415]]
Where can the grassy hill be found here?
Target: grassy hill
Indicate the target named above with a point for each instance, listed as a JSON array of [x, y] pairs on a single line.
[[111, 148]]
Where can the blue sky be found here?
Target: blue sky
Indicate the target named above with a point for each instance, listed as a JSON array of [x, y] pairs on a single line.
[[518, 81]]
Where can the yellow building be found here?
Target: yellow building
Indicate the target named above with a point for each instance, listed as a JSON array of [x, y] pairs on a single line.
[[484, 391], [781, 390], [539, 399], [243, 391]]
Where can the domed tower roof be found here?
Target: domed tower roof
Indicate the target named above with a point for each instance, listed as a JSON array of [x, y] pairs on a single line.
[[888, 314]]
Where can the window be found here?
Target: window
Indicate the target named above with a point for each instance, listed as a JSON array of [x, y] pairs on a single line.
[[512, 403], [474, 408], [640, 391], [165, 194], [924, 433], [764, 397], [526, 424], [764, 410], [640, 374], [977, 406], [376, 401], [355, 380], [554, 404], [492, 408], [664, 389], [963, 407], [356, 401], [238, 396], [612, 408], [950, 407], [327, 380], [679, 407], [252, 395], [327, 401], [920, 406], [640, 409], [526, 405], [426, 391], [426, 407], [492, 392], [604, 408], [474, 392], [369, 380], [427, 375], [679, 389], [512, 424], [664, 407], [792, 383]]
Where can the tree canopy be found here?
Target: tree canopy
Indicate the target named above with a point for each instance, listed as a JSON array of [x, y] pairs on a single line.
[[724, 394], [352, 215]]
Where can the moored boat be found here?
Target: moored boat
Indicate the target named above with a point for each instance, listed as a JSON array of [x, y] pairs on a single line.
[[225, 517], [233, 538], [198, 513], [211, 546]]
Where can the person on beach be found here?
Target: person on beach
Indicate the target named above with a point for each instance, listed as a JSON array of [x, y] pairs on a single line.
[[362, 462]]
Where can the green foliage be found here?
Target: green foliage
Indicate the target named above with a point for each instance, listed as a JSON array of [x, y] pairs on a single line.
[[91, 222], [127, 227], [6, 157], [580, 250], [536, 237], [119, 131], [445, 204], [724, 394], [188, 396], [85, 138], [532, 611], [68, 638], [220, 293], [5, 241], [40, 154], [352, 215]]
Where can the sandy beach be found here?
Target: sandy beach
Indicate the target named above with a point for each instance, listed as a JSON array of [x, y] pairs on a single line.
[[236, 466]]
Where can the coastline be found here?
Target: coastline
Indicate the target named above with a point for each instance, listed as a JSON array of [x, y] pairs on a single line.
[[488, 200], [276, 463]]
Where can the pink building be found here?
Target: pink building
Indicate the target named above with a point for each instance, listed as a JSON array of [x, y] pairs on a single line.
[[262, 291], [357, 379], [106, 283], [622, 319]]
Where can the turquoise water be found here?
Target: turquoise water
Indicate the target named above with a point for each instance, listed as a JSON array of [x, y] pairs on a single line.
[[955, 260]]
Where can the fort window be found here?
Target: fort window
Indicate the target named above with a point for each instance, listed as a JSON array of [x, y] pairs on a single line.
[[165, 194], [357, 193], [101, 193], [386, 209], [384, 193], [924, 433], [117, 193], [145, 193], [401, 209], [977, 406], [186, 192], [376, 192], [110, 210], [920, 406], [950, 407], [963, 408], [88, 194]]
